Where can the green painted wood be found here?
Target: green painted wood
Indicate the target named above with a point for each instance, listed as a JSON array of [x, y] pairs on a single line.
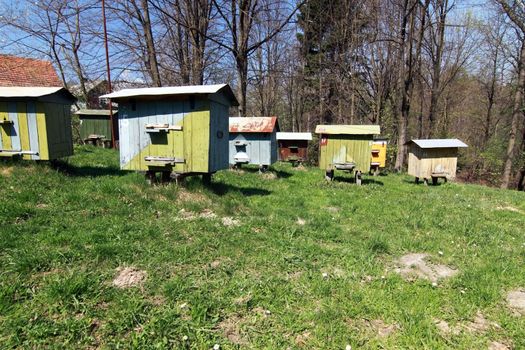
[[95, 125], [346, 149]]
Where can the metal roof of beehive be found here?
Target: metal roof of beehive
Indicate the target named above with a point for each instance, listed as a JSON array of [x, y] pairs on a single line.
[[348, 129], [294, 136], [438, 143], [32, 91], [173, 90], [101, 112], [254, 124]]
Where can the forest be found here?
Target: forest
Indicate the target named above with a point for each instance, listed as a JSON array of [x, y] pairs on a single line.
[[417, 68]]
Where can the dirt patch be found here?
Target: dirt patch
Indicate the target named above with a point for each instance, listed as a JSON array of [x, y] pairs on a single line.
[[300, 222], [445, 329], [230, 222], [495, 345], [129, 277], [269, 176], [377, 327], [480, 324], [188, 196], [416, 265], [6, 171], [510, 208], [231, 328], [300, 167], [302, 339], [42, 205], [243, 300], [516, 300], [333, 209], [189, 215]]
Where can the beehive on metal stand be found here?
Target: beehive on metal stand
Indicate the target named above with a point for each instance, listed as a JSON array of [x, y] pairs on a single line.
[[181, 130], [35, 122], [378, 155], [293, 146], [346, 147], [253, 141], [95, 126], [433, 159]]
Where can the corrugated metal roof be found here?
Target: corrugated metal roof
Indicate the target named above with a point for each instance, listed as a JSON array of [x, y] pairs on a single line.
[[173, 90], [103, 112], [31, 91], [255, 124], [348, 129], [294, 136], [439, 143]]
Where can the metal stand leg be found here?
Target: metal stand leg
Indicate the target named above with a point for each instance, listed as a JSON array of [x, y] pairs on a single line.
[[150, 177], [358, 177], [329, 176]]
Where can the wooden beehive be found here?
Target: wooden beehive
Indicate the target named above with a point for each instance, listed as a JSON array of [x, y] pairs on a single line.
[[95, 124], [379, 147], [35, 122], [345, 147], [293, 146], [433, 158], [182, 129], [253, 141]]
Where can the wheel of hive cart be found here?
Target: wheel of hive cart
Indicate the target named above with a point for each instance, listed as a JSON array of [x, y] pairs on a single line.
[[358, 177]]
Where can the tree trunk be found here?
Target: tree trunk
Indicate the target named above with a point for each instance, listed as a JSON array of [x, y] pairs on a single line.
[[517, 113], [150, 45]]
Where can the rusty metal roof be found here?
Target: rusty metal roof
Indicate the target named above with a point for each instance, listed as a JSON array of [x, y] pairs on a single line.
[[255, 124], [438, 143], [348, 129]]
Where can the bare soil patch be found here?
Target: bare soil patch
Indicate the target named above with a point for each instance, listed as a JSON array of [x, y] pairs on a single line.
[[416, 265], [510, 208], [479, 324], [333, 209], [231, 328], [302, 339], [6, 171], [269, 175], [516, 300], [189, 196], [228, 221], [300, 222], [129, 277], [495, 345], [377, 327], [189, 215]]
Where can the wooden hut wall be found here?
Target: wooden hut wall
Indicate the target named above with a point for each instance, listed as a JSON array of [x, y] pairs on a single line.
[[345, 148], [261, 147], [285, 149], [423, 162], [97, 125], [42, 127], [191, 144], [219, 132]]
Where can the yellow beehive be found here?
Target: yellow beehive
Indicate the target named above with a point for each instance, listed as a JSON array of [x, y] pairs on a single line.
[[378, 154]]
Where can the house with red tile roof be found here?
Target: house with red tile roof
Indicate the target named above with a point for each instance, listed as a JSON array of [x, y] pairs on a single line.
[[21, 71]]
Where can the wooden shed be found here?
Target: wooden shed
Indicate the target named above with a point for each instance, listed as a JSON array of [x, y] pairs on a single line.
[[95, 126], [253, 141], [346, 147], [293, 146], [378, 161], [433, 159], [181, 130], [35, 122]]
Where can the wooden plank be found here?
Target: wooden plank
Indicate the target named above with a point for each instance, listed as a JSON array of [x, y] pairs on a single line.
[[14, 131], [33, 129], [23, 128], [42, 131], [5, 129]]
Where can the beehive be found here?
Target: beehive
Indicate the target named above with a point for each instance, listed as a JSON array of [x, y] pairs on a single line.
[[35, 122], [293, 146], [253, 141], [181, 130], [433, 158], [95, 124], [345, 147], [378, 160]]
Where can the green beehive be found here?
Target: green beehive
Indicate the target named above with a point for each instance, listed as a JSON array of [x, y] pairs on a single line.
[[345, 147], [95, 124]]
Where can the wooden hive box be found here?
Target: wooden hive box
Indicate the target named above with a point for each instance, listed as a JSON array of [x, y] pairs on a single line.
[[293, 146], [345, 147], [253, 141], [181, 130], [35, 122], [379, 147], [433, 158], [96, 123]]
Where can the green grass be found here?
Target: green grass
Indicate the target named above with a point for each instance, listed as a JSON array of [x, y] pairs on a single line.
[[64, 230]]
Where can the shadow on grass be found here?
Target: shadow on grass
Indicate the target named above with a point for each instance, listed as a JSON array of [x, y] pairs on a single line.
[[422, 183], [364, 181], [278, 173], [86, 171], [221, 188]]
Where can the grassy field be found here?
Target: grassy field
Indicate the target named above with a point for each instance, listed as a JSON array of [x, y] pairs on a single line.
[[276, 261]]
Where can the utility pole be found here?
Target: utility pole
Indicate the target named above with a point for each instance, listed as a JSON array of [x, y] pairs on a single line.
[[113, 139]]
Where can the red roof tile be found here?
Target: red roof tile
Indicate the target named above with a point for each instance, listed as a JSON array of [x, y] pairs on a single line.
[[19, 71]]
